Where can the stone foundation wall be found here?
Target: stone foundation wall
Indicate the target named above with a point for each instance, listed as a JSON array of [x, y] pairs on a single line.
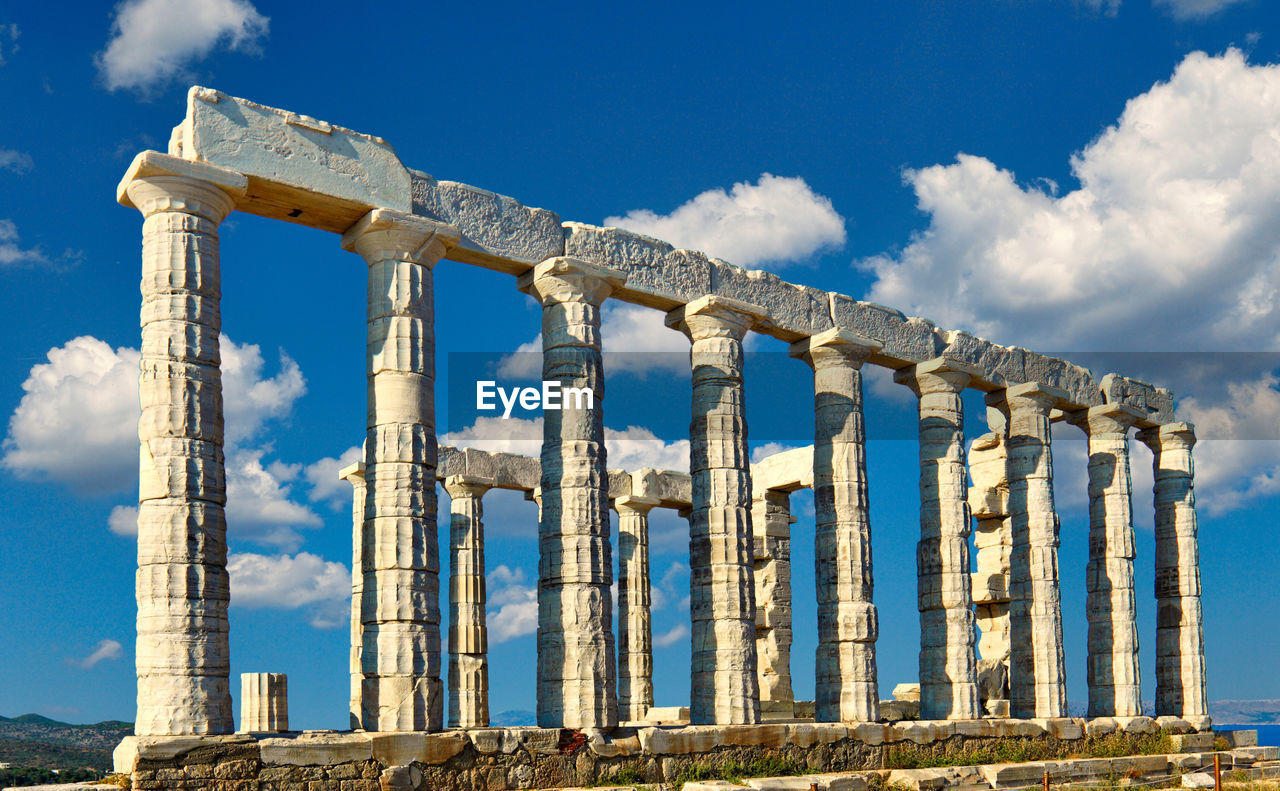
[[502, 759]]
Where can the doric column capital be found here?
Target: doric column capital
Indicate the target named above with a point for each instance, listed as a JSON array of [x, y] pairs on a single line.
[[1170, 436], [158, 182], [388, 235], [635, 504], [835, 347], [466, 486], [1033, 396], [716, 317], [939, 375], [1106, 419], [352, 473], [570, 280]]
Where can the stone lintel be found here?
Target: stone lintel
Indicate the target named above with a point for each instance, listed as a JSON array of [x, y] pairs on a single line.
[[566, 279], [784, 472], [149, 164], [420, 231], [1050, 396], [634, 502]]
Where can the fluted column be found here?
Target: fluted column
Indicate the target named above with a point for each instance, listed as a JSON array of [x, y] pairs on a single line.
[[1111, 607], [724, 687], [848, 625], [400, 600], [635, 634], [354, 475], [1180, 676], [576, 664], [948, 662], [993, 543], [771, 523], [1037, 673], [264, 703], [182, 587], [468, 636]]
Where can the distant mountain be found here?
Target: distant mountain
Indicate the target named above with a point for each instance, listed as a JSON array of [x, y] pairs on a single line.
[[513, 719], [1245, 712], [33, 740]]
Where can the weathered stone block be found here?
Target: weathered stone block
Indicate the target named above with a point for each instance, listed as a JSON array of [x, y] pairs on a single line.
[[658, 275], [906, 340]]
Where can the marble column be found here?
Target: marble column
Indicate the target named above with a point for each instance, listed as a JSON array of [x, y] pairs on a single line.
[[1111, 606], [771, 523], [400, 600], [354, 475], [576, 664], [948, 662], [1180, 677], [468, 636], [635, 634], [848, 625], [1037, 673], [182, 587], [264, 703], [724, 687], [993, 545]]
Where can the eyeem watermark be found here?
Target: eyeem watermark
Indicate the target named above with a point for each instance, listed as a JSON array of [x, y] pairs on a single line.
[[551, 396]]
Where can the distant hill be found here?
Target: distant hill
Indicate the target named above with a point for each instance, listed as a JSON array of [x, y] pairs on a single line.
[[1245, 712], [513, 719], [33, 740]]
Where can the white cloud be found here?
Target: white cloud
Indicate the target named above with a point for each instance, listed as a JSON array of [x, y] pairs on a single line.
[[1193, 9], [1108, 7], [12, 253], [635, 447], [104, 650], [670, 638], [322, 477], [260, 507], [777, 220], [762, 452], [628, 449], [153, 41], [77, 422], [664, 591], [11, 32], [1237, 457], [123, 520], [289, 582], [634, 339], [17, 161], [496, 435], [517, 603]]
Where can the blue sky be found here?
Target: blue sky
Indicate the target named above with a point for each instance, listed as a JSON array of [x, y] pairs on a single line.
[[1093, 178]]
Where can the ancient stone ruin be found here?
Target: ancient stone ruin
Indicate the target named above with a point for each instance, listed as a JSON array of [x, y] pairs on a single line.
[[594, 672]]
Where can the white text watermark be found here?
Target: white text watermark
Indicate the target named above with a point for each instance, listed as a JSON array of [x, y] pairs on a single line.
[[551, 396]]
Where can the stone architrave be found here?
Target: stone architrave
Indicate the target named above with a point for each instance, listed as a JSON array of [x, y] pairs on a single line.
[[848, 625], [948, 662], [1111, 605], [576, 663], [1037, 667], [724, 687], [771, 522], [264, 703], [635, 634], [400, 599], [354, 475], [468, 635], [183, 661], [1180, 675]]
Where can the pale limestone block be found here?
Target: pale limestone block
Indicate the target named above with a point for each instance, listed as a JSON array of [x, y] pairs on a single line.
[[1078, 385], [725, 685], [497, 231], [576, 664], [948, 663], [1111, 606], [1037, 665], [1180, 675], [328, 175], [785, 471], [264, 703], [905, 340], [847, 620], [794, 311], [1155, 404], [658, 275]]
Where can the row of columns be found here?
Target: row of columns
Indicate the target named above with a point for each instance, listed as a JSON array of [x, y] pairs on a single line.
[[182, 585]]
